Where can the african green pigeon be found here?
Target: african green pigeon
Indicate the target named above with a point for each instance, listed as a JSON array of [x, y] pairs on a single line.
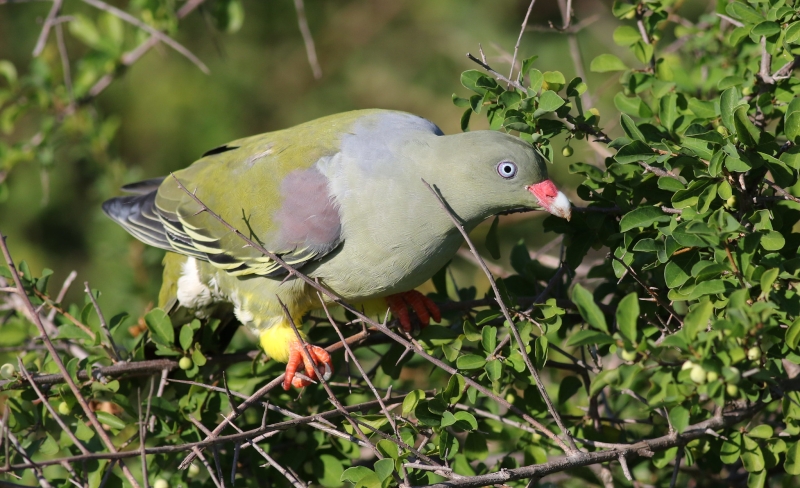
[[342, 199]]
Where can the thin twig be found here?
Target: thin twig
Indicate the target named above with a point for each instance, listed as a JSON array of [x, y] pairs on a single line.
[[519, 39], [308, 40], [150, 30], [103, 324], [48, 23], [272, 462], [572, 447]]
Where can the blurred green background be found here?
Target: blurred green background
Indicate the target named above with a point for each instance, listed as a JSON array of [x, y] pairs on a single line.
[[394, 54]]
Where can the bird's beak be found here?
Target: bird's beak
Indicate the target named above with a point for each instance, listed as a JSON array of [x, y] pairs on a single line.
[[551, 199]]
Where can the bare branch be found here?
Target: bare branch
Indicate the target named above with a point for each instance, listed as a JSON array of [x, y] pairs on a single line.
[[308, 40], [48, 23]]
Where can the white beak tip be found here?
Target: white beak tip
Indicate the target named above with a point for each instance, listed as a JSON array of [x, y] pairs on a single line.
[[561, 206]]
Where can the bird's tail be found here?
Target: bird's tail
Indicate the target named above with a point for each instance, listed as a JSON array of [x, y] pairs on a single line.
[[136, 213]]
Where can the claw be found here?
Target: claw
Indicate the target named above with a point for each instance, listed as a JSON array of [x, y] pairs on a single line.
[[296, 356], [423, 307]]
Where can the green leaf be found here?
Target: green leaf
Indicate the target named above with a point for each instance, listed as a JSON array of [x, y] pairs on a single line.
[[355, 474], [792, 463], [632, 105], [489, 339], [729, 81], [727, 103], [702, 109], [668, 110], [607, 62], [634, 152], [553, 80], [642, 217], [160, 326], [388, 448], [762, 431], [587, 336], [383, 468], [588, 309], [629, 126], [627, 315], [751, 455], [186, 337], [626, 35], [471, 332], [768, 278], [492, 243], [549, 101], [697, 319], [110, 420], [757, 479], [792, 33], [455, 386], [494, 369], [743, 12], [793, 334], [540, 352], [773, 241], [470, 361], [411, 400], [748, 134], [475, 81], [679, 417], [83, 432], [465, 421], [766, 29], [643, 51], [792, 125]]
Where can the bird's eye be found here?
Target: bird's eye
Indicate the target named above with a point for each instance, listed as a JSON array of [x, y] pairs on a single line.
[[507, 169]]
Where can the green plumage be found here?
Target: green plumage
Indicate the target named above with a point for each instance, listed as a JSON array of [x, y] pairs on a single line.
[[340, 197]]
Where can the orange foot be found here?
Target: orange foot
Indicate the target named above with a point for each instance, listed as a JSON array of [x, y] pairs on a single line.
[[422, 306], [296, 356]]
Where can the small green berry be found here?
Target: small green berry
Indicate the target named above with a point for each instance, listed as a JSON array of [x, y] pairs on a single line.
[[567, 151], [308, 467], [161, 483], [698, 374], [754, 353], [731, 202], [579, 135], [712, 376], [732, 390], [302, 437], [7, 371], [185, 363], [627, 355], [687, 365], [64, 408], [194, 470]]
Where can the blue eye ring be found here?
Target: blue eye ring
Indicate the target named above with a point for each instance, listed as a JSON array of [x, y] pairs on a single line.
[[507, 169]]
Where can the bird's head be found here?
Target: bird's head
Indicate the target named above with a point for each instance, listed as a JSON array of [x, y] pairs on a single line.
[[493, 172]]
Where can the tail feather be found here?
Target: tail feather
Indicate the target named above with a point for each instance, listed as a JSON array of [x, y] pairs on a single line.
[[137, 215]]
